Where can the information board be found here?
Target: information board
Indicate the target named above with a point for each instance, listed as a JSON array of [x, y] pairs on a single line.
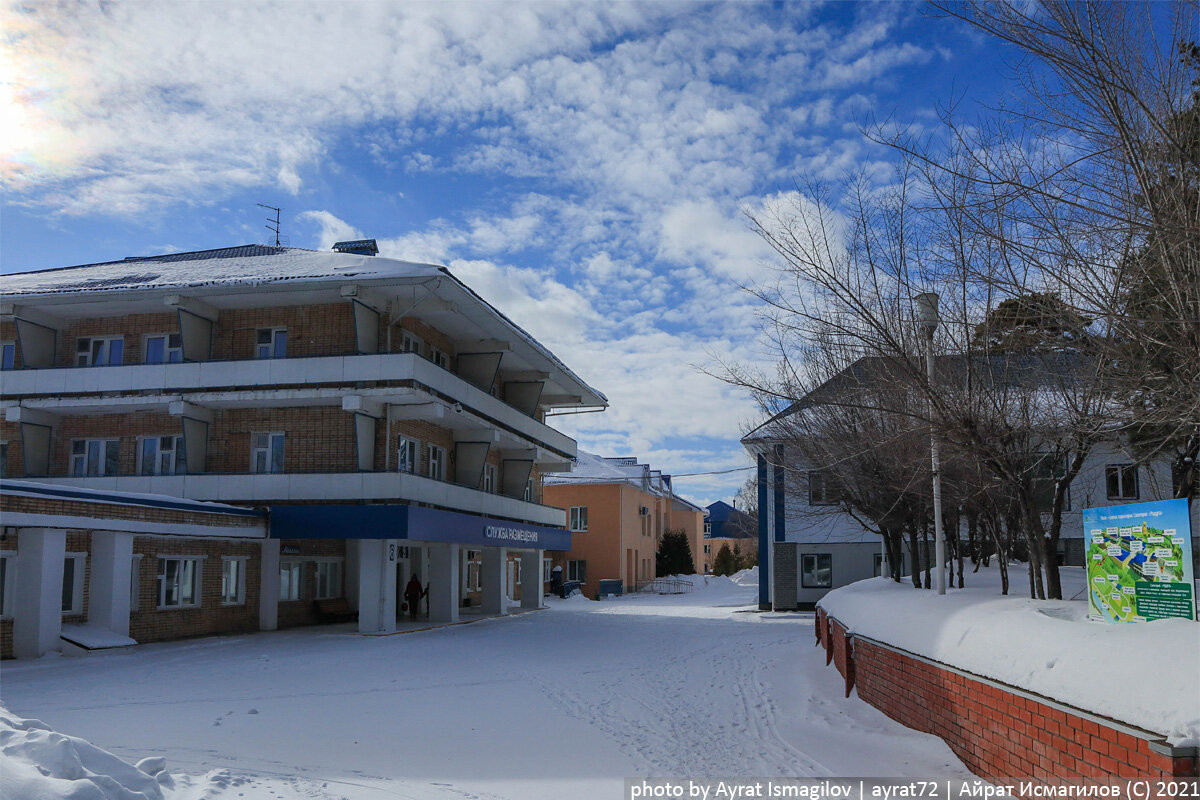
[[1139, 561]]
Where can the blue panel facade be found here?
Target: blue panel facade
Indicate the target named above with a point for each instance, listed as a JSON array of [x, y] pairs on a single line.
[[411, 522], [780, 532], [764, 537]]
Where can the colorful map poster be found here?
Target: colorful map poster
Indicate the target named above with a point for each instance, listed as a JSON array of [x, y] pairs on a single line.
[[1139, 561]]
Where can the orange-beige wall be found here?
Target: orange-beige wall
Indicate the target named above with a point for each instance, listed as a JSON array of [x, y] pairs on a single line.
[[620, 542]]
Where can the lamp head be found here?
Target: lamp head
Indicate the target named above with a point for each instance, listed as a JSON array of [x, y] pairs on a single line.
[[927, 310]]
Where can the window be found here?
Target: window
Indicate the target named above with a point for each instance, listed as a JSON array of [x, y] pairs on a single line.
[[270, 343], [8, 355], [822, 491], [72, 585], [291, 580], [471, 570], [179, 582], [99, 351], [707, 528], [1122, 481], [406, 454], [135, 582], [577, 571], [92, 458], [329, 579], [816, 570], [8, 582], [579, 518], [162, 455], [546, 568], [528, 495], [489, 478], [164, 348], [439, 357], [233, 581], [266, 452], [1047, 472], [3, 459], [410, 343], [437, 462], [708, 549]]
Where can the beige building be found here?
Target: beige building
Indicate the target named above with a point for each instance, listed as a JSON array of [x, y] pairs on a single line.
[[617, 511]]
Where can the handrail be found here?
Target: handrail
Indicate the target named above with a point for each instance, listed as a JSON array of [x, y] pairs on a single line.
[[666, 586]]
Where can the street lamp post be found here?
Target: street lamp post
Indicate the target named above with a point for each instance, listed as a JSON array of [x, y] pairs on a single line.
[[927, 318]]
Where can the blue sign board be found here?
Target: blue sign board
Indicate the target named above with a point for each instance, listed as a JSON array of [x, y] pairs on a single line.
[[410, 522]]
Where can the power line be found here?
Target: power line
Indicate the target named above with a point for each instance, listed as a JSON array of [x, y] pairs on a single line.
[[717, 472]]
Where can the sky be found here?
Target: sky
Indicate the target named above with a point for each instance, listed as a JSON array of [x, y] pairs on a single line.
[[587, 168]]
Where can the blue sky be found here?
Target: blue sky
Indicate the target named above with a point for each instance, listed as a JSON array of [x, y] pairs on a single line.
[[584, 166]]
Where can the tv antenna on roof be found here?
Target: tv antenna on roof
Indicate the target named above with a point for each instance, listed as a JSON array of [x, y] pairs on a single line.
[[274, 227]]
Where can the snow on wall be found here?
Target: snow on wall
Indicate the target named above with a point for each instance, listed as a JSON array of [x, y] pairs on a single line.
[[1145, 675]]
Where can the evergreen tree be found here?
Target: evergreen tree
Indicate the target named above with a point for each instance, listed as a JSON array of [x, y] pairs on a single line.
[[724, 563], [674, 555]]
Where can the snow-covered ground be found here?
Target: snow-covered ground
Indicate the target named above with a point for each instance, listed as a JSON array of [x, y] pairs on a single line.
[[1143, 674], [559, 703]]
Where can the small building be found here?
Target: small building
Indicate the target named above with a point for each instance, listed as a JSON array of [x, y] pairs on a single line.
[[375, 418], [726, 525], [617, 511]]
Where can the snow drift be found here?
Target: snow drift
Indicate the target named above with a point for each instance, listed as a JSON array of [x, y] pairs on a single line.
[[39, 763]]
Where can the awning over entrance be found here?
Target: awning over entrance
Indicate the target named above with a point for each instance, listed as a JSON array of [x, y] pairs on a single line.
[[410, 522]]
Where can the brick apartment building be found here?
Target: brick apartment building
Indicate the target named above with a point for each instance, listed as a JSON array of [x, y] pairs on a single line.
[[381, 419], [618, 510]]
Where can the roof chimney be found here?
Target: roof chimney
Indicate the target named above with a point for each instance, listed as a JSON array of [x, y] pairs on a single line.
[[359, 247]]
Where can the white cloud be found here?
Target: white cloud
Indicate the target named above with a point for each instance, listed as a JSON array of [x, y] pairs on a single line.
[[332, 229]]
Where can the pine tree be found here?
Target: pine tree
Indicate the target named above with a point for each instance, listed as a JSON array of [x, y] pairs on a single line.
[[724, 563], [674, 555]]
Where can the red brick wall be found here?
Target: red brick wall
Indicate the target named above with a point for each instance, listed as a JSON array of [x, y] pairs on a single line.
[[151, 624], [315, 330], [133, 327], [997, 733]]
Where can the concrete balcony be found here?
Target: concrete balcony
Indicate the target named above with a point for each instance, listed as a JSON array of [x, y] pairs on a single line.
[[52, 389], [327, 487]]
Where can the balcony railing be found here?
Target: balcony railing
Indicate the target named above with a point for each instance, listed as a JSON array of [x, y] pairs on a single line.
[[285, 487], [215, 376]]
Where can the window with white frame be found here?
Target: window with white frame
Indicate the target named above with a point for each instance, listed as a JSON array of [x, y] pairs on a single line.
[[266, 451], [99, 351], [816, 570], [528, 496], [407, 449], [472, 565], [270, 343], [161, 455], [291, 580], [233, 580], [547, 566], [490, 480], [707, 528], [163, 348], [410, 342], [135, 582], [8, 582], [708, 549], [92, 458], [1122, 481], [437, 462], [179, 581], [577, 570], [579, 518], [329, 579], [8, 355], [822, 489], [439, 357]]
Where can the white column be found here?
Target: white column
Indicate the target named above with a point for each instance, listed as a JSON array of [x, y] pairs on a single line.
[[37, 612], [531, 579], [491, 579], [443, 582], [268, 587], [108, 598], [376, 585]]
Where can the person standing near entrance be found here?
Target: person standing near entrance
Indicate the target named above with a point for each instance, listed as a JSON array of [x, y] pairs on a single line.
[[413, 594]]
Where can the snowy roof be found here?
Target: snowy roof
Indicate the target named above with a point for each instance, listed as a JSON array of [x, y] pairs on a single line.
[[55, 491], [245, 265], [591, 468]]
